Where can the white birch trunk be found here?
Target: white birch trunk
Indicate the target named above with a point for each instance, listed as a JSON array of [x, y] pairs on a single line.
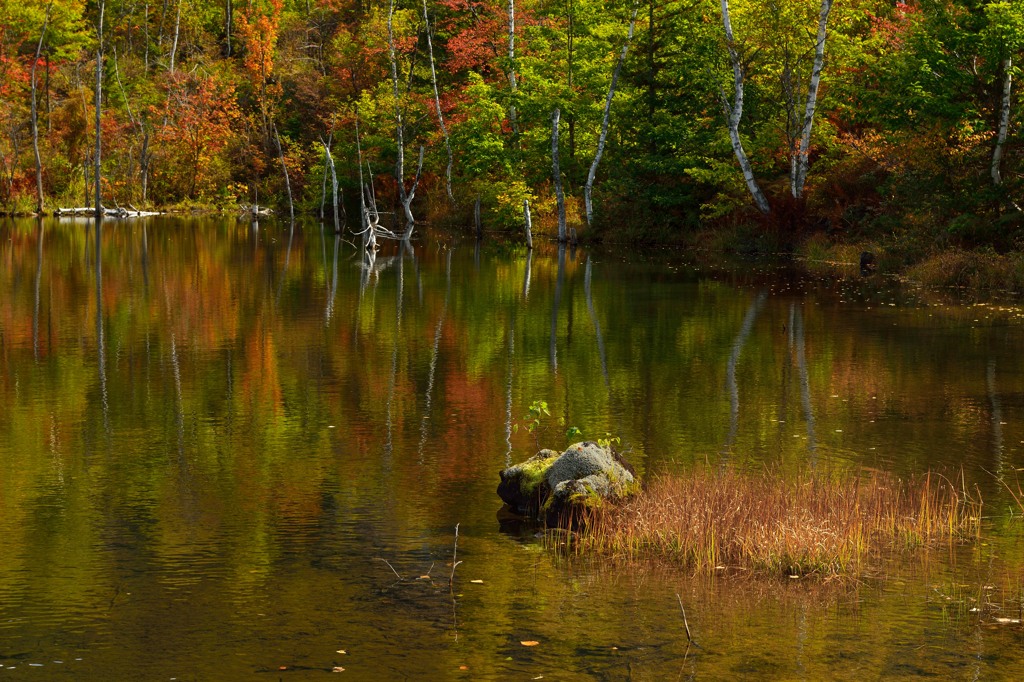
[[227, 25], [512, 65], [284, 167], [1004, 123], [799, 162], [334, 187], [734, 113], [589, 187], [437, 104], [99, 93], [557, 173], [35, 113], [410, 222], [528, 224], [405, 200], [323, 186], [177, 31]]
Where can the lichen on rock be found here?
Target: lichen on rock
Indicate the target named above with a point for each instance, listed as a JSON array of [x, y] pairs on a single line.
[[549, 485]]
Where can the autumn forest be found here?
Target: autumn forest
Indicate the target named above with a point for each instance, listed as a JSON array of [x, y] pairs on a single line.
[[654, 119]]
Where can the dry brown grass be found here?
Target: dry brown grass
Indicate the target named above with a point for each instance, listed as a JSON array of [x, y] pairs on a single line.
[[764, 522], [971, 269]]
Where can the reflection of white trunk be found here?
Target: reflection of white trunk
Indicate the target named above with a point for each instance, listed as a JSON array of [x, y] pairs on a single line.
[[1004, 122], [597, 325], [997, 417], [437, 103], [559, 195], [730, 373], [329, 312], [799, 161], [508, 392], [805, 381], [389, 443], [734, 114], [434, 352], [101, 345], [589, 187], [559, 279], [35, 309]]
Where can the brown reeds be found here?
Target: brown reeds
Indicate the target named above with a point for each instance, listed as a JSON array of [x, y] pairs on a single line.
[[765, 522]]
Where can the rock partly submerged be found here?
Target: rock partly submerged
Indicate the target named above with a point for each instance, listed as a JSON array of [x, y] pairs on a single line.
[[550, 485]]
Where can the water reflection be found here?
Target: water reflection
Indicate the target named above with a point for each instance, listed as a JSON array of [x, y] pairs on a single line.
[[730, 370], [282, 413]]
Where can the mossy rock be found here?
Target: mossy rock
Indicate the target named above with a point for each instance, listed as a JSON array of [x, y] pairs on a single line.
[[549, 485]]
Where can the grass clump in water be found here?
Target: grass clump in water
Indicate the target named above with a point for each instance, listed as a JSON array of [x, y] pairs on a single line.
[[763, 522]]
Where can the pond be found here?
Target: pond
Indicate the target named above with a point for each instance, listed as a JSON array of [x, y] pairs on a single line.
[[236, 452]]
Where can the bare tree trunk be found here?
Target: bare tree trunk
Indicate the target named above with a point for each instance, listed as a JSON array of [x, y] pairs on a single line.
[[334, 186], [799, 161], [403, 197], [512, 65], [284, 167], [437, 104], [177, 30], [323, 187], [228, 11], [589, 187], [734, 113], [528, 224], [368, 227], [1004, 123], [559, 195], [35, 113], [99, 87], [410, 222]]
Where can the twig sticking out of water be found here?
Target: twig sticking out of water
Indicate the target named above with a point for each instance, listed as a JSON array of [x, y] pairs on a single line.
[[391, 567], [689, 637], [455, 551]]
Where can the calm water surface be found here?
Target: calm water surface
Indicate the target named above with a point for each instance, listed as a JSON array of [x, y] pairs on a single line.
[[233, 453]]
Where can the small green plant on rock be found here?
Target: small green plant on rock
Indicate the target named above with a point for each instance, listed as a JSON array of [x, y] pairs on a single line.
[[535, 421]]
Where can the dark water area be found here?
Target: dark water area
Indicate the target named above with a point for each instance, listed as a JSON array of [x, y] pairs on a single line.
[[235, 453]]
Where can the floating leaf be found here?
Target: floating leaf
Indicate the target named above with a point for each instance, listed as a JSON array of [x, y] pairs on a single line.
[[342, 652], [530, 642], [337, 669], [478, 582], [463, 667], [424, 577]]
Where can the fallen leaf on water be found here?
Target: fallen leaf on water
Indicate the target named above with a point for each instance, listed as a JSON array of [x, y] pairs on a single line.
[[342, 651], [283, 667], [463, 667], [478, 582], [529, 642], [424, 577], [1010, 621], [337, 669]]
